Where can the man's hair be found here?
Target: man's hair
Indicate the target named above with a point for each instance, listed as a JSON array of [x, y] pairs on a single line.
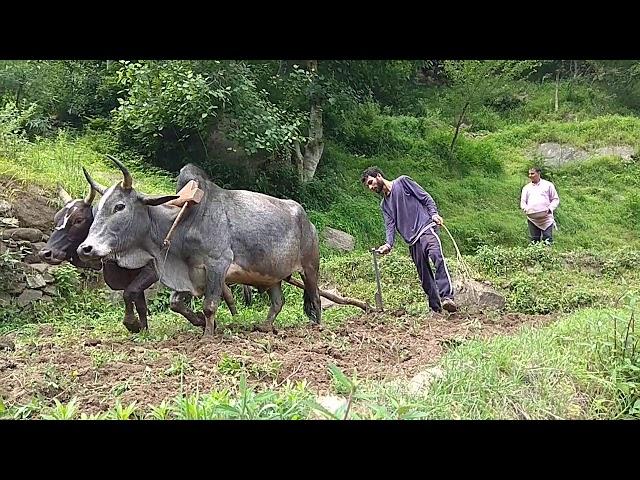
[[371, 172], [537, 169]]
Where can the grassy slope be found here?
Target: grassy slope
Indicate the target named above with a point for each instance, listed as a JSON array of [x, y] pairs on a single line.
[[478, 195]]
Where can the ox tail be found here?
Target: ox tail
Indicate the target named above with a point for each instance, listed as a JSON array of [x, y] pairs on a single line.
[[247, 296], [310, 307], [311, 299]]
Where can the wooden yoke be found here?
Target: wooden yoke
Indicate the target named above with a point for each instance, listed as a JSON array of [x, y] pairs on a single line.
[[189, 195]]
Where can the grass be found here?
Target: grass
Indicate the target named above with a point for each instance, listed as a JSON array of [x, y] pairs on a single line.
[[583, 366], [549, 373], [477, 193], [59, 160]]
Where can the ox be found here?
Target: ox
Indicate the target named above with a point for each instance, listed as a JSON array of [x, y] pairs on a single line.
[[71, 227], [236, 236]]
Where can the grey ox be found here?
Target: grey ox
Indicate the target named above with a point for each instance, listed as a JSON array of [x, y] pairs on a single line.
[[235, 236]]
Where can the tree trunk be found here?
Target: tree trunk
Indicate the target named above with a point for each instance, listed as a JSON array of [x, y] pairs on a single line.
[[557, 85], [299, 160], [18, 94], [307, 162], [315, 146], [460, 119]]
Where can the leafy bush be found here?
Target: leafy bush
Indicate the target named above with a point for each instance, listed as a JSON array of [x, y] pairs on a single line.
[[502, 260]]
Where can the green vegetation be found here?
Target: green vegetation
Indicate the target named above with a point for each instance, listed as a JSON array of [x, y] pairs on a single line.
[[245, 123]]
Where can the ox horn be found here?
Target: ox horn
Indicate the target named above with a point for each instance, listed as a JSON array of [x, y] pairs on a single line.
[[127, 183], [95, 186], [90, 196], [64, 196]]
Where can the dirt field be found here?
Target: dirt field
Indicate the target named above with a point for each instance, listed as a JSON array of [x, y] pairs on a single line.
[[98, 370]]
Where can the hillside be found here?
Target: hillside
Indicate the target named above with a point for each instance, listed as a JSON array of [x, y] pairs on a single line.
[[548, 353]]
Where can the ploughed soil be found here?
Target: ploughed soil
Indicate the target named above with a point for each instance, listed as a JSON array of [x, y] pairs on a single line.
[[98, 369]]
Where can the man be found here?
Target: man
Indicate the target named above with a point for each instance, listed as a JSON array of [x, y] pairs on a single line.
[[406, 207], [538, 201]]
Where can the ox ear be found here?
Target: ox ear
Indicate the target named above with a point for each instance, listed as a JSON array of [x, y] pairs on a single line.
[[154, 201]]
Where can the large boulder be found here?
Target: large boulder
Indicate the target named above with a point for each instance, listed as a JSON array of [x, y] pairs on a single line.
[[35, 211], [623, 151], [476, 295], [339, 239], [556, 154]]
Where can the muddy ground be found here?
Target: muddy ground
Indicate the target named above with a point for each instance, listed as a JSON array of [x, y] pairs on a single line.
[[98, 370]]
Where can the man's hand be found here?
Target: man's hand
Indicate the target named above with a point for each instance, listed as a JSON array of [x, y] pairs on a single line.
[[383, 249], [438, 219]]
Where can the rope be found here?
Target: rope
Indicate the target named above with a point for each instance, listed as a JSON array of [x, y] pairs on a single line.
[[463, 266]]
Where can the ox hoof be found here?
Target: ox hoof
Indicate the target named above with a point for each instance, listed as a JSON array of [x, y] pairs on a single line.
[[265, 328], [132, 324], [198, 320], [209, 332]]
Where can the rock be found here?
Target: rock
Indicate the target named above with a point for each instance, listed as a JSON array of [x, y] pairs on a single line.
[[31, 258], [48, 277], [422, 380], [29, 234], [37, 246], [5, 299], [332, 403], [477, 295], [27, 297], [40, 267], [339, 239], [623, 151], [35, 281], [7, 344], [50, 290], [16, 287], [9, 222], [34, 210], [325, 302], [46, 299], [556, 154], [5, 208]]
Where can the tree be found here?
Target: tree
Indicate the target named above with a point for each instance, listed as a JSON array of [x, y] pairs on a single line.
[[307, 162], [473, 80], [182, 99], [66, 91]]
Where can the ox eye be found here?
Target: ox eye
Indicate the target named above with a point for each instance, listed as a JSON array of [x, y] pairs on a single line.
[[78, 220], [118, 207]]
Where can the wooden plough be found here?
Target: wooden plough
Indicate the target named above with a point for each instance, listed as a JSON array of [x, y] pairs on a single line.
[[334, 298]]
